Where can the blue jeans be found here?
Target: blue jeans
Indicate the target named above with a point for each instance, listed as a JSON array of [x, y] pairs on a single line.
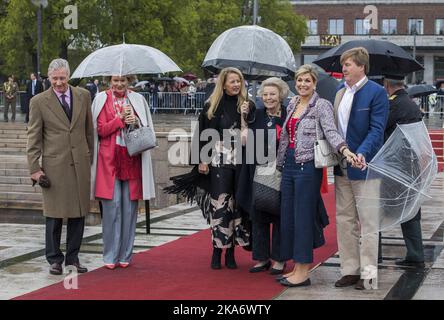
[[300, 188]]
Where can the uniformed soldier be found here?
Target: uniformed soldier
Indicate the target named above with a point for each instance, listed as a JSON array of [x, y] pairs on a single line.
[[402, 111]]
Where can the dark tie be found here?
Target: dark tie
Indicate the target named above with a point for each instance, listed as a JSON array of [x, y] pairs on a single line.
[[65, 106]]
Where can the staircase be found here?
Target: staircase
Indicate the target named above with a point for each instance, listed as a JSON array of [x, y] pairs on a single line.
[[17, 196], [437, 137]]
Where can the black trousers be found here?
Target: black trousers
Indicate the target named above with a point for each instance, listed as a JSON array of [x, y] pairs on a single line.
[[261, 241], [411, 232], [74, 235]]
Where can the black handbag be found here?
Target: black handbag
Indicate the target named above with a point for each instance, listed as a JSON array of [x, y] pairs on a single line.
[[267, 189]]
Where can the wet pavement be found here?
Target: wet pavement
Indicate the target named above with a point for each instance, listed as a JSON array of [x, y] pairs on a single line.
[[23, 267]]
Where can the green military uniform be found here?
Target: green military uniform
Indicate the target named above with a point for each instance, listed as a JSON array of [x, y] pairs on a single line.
[[11, 90], [402, 111]]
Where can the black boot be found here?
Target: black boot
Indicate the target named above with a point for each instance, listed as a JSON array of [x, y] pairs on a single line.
[[230, 262], [215, 259]]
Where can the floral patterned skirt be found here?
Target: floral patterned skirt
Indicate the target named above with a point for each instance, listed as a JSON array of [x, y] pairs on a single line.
[[225, 220]]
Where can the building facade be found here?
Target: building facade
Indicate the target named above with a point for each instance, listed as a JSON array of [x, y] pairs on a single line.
[[417, 26]]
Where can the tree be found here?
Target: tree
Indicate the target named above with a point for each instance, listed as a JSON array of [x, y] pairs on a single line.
[[183, 30]]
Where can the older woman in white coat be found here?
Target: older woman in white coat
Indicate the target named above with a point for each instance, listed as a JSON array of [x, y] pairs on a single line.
[[119, 180]]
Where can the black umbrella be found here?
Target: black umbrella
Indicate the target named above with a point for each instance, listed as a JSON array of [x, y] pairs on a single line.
[[326, 87], [385, 57], [421, 90]]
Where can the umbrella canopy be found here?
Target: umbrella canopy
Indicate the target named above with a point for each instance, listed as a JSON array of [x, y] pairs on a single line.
[[326, 86], [181, 80], [125, 59], [163, 79], [405, 168], [189, 76], [385, 57], [141, 83], [421, 90], [258, 52]]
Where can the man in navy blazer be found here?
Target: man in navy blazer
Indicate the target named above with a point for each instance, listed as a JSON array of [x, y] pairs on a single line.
[[361, 112]]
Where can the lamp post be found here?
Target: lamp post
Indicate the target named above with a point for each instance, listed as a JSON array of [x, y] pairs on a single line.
[[40, 5], [415, 32], [255, 13]]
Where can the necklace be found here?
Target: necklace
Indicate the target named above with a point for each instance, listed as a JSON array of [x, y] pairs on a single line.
[[271, 116]]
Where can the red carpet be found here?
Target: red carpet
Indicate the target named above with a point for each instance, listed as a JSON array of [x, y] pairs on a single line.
[[180, 270]]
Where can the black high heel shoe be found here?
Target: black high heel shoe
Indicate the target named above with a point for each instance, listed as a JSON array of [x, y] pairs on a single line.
[[287, 283], [280, 277], [274, 271], [230, 262], [261, 268], [216, 258]]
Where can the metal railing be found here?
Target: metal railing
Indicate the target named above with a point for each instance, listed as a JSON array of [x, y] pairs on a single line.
[[162, 102], [433, 110], [175, 102]]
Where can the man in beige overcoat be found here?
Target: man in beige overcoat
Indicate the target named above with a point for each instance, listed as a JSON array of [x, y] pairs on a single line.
[[60, 134]]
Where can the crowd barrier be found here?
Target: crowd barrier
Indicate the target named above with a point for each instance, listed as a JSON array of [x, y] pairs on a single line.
[[162, 102]]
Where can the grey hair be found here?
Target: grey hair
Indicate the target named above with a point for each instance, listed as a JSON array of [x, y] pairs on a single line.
[[58, 64], [280, 84], [394, 83]]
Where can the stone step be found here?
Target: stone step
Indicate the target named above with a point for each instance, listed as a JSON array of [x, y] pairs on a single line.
[[21, 196], [19, 188], [13, 151], [15, 180], [12, 158], [18, 144], [14, 172], [21, 136], [13, 165], [21, 204], [13, 140], [4, 127], [21, 130]]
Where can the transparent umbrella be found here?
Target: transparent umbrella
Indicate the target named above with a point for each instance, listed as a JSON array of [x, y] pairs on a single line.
[[125, 59], [404, 170], [258, 52]]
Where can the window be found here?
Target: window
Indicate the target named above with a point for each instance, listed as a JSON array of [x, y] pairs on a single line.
[[416, 26], [308, 58], [439, 26], [312, 26], [389, 26], [438, 67], [336, 26], [362, 26], [419, 75]]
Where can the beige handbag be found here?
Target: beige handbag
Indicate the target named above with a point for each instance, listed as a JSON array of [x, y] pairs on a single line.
[[324, 154]]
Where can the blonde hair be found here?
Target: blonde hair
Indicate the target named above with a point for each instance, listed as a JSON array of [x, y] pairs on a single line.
[[359, 56], [280, 84], [307, 69], [218, 92]]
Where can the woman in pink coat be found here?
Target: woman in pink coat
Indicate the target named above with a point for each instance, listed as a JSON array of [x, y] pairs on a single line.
[[119, 180]]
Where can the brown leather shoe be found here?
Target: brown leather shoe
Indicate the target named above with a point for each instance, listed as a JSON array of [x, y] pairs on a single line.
[[347, 281], [80, 268], [56, 269]]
